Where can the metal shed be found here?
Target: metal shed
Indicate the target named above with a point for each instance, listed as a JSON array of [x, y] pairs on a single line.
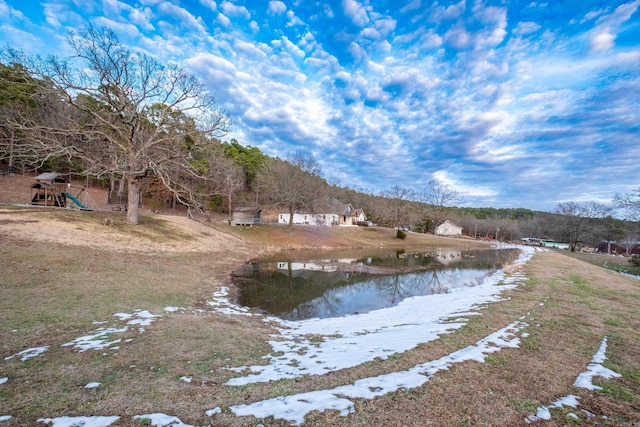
[[245, 216]]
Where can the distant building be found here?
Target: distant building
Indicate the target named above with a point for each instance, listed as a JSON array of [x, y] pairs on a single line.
[[245, 216], [447, 228], [329, 212], [619, 247]]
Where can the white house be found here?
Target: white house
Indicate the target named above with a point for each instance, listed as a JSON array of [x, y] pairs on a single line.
[[447, 228], [309, 219], [333, 211]]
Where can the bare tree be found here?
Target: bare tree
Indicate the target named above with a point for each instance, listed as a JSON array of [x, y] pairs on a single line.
[[294, 184], [438, 197], [577, 219], [397, 205], [17, 89], [124, 114], [631, 202]]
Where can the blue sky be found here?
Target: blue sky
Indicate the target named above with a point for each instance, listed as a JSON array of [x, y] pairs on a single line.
[[512, 104]]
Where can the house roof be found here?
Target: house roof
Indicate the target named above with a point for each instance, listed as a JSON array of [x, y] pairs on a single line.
[[245, 209], [329, 205], [49, 176], [445, 221]]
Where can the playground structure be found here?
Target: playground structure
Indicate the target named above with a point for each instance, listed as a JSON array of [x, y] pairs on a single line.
[[51, 189]]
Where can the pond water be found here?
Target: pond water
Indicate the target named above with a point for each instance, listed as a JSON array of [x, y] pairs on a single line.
[[334, 284]]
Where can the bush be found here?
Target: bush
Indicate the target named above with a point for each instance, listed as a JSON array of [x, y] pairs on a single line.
[[401, 234], [635, 260]]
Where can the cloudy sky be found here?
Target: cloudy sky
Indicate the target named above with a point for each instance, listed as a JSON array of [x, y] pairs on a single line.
[[512, 104]]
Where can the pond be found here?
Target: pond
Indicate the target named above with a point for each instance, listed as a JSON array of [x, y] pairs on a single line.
[[334, 284]]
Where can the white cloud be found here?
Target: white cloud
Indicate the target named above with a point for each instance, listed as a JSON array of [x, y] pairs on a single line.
[[209, 4], [431, 40], [186, 19], [463, 189], [52, 12], [525, 28], [119, 28], [142, 18], [231, 9], [412, 5], [604, 34], [370, 33], [277, 7], [451, 12], [356, 12], [457, 38], [385, 25], [602, 41], [224, 21], [251, 51], [293, 19], [288, 46]]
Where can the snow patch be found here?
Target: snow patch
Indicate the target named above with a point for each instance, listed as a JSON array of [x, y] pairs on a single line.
[[29, 353], [163, 420], [584, 380], [101, 337], [79, 421], [295, 407]]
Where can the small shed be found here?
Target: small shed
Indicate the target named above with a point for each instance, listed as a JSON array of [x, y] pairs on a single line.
[[245, 216], [49, 190], [447, 228]]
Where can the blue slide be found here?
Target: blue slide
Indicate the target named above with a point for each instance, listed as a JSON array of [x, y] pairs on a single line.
[[77, 202]]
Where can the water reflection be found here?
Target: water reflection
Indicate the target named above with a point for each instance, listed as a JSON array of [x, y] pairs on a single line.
[[336, 284]]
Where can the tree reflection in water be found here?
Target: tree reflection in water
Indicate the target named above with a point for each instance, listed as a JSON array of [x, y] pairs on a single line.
[[336, 285]]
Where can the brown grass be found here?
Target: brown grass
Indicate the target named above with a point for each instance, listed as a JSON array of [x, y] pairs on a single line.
[[61, 270]]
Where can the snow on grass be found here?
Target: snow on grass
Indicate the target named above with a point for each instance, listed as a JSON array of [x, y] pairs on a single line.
[[101, 337], [99, 340], [93, 385], [221, 304], [320, 346], [595, 369], [29, 353], [295, 407], [79, 421], [216, 410], [162, 420], [4, 380], [584, 380], [5, 418]]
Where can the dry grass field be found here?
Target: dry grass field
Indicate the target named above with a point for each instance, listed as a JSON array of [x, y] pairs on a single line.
[[64, 274]]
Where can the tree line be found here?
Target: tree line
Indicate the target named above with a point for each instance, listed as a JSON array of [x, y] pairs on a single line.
[[151, 130]]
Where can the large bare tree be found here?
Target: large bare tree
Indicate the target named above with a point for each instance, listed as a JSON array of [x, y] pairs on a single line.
[[577, 218], [124, 114]]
